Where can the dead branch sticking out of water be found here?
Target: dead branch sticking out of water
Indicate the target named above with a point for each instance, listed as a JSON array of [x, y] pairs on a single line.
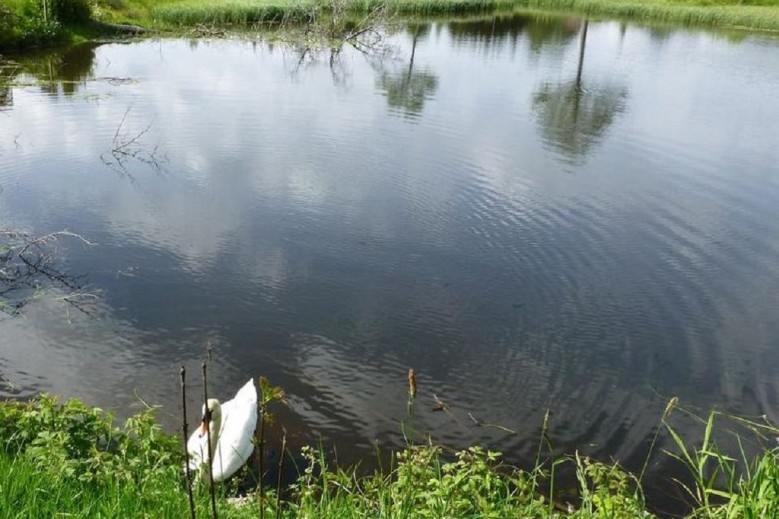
[[129, 147], [440, 405], [28, 269], [202, 30], [8, 385], [184, 429]]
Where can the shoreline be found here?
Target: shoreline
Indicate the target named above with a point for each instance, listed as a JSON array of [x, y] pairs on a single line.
[[175, 17], [70, 458]]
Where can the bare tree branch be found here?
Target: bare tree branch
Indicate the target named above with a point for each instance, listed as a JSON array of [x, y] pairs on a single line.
[[129, 147], [28, 270]]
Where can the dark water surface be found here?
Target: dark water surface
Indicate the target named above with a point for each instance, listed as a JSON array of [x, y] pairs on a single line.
[[459, 205]]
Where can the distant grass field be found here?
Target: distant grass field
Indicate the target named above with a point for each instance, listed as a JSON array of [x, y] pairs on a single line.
[[754, 14], [25, 23]]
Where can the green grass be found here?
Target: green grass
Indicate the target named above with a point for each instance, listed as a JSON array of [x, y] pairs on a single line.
[[27, 492], [231, 12], [23, 25], [754, 14], [72, 460], [189, 12], [718, 13]]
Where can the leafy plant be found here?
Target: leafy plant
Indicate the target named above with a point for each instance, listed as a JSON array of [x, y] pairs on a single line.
[[70, 11], [607, 491], [81, 442]]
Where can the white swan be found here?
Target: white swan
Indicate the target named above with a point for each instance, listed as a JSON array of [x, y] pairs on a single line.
[[231, 426]]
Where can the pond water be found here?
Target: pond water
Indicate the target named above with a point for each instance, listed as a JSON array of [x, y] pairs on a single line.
[[455, 201]]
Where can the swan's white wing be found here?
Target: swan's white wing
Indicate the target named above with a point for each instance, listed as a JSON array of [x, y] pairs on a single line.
[[239, 419]]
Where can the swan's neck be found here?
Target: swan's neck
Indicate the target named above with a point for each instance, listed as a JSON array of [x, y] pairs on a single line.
[[213, 432]]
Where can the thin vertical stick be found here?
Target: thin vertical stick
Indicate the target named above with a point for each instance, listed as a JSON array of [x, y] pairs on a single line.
[[261, 447], [184, 440], [582, 44], [208, 441], [281, 468]]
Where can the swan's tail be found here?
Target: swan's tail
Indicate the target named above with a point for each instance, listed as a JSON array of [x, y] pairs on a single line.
[[248, 393]]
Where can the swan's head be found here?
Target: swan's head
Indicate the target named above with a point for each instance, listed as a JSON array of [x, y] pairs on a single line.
[[212, 417]]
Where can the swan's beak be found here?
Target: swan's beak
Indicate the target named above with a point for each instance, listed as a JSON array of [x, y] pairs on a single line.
[[203, 428]]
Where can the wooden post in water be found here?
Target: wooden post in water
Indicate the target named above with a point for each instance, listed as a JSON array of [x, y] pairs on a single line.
[[184, 428], [208, 442]]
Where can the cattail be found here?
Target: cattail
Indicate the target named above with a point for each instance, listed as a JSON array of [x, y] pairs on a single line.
[[412, 383]]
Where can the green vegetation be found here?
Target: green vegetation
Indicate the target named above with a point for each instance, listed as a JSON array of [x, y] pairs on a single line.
[[30, 23], [69, 459], [189, 12], [22, 24], [754, 14], [757, 14]]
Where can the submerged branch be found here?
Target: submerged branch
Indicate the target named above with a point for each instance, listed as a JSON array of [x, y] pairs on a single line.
[[28, 269]]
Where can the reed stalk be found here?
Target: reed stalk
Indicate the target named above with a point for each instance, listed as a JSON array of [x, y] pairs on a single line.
[[211, 489], [184, 429]]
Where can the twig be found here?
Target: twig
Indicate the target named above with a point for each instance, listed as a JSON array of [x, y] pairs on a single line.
[[124, 148], [208, 441], [8, 384], [155, 408], [119, 128], [281, 468], [261, 449], [24, 268], [47, 237], [183, 374], [439, 404], [496, 426]]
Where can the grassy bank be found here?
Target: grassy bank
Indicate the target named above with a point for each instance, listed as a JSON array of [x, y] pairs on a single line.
[[753, 14], [31, 23], [44, 23], [68, 459]]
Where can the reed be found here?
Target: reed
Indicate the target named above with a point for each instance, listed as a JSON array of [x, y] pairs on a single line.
[[693, 12], [755, 14], [231, 12]]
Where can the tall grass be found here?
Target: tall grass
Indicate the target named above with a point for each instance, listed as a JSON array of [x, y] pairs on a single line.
[[694, 12], [24, 24], [243, 12], [236, 12], [71, 460], [721, 13]]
